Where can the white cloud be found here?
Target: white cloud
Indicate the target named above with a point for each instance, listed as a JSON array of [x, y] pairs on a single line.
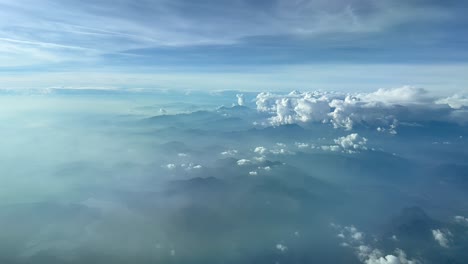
[[240, 99], [171, 166], [383, 109], [229, 152], [352, 143], [280, 151], [191, 166], [375, 256], [260, 150], [442, 237], [456, 101], [253, 173], [354, 238], [182, 154], [293, 108], [401, 95], [461, 219], [301, 145], [281, 247], [243, 162], [331, 148], [266, 168]]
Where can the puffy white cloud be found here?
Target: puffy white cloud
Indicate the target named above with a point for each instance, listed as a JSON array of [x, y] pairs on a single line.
[[182, 155], [442, 237], [280, 151], [281, 247], [243, 162], [260, 150], [461, 219], [401, 95], [294, 107], [240, 99], [383, 109], [229, 152], [331, 148], [354, 238], [352, 142], [301, 145], [192, 166], [375, 256], [171, 166], [455, 101], [253, 173]]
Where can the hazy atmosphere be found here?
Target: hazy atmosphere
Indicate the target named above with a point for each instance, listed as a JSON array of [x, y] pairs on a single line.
[[280, 132]]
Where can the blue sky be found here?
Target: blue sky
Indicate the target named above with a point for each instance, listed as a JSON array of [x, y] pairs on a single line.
[[237, 44]]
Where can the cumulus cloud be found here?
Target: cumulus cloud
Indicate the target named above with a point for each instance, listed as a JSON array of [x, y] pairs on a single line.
[[401, 95], [266, 168], [261, 150], [281, 247], [243, 162], [171, 166], [354, 238], [331, 148], [442, 237], [455, 101], [240, 99], [229, 152], [352, 143], [374, 256], [461, 219], [301, 145], [383, 109], [253, 173], [294, 107], [191, 166]]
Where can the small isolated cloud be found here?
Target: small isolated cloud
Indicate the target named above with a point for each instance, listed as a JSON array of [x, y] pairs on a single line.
[[266, 168], [191, 166], [229, 152], [281, 247], [355, 239], [171, 166], [243, 162], [253, 173], [461, 219], [240, 99], [442, 237], [331, 148], [280, 151], [261, 150], [352, 143], [374, 256], [301, 145], [182, 155]]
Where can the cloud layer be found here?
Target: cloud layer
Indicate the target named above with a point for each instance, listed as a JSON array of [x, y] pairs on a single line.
[[382, 110]]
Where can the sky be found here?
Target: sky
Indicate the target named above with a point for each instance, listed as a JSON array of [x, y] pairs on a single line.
[[234, 131], [358, 45]]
